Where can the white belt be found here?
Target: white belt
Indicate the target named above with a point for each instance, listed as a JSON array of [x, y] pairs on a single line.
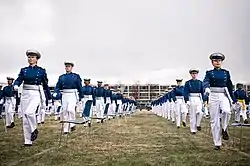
[[217, 89], [69, 90], [179, 97], [9, 98], [31, 87], [88, 97], [194, 94], [98, 98]]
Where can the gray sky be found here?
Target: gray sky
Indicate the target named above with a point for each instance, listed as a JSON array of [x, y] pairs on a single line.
[[154, 41]]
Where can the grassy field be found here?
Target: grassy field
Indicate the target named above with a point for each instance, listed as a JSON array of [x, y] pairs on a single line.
[[142, 139]]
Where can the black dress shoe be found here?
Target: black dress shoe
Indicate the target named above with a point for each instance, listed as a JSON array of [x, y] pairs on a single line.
[[236, 121], [178, 127], [65, 133], [42, 122], [73, 128], [225, 135], [27, 145], [193, 133], [217, 148], [34, 135], [199, 128], [184, 124], [89, 124], [246, 121]]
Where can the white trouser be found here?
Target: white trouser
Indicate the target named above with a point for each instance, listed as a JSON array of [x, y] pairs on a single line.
[[111, 108], [172, 108], [195, 113], [218, 102], [181, 111], [19, 112], [239, 111], [69, 100], [100, 108], [165, 110], [9, 110], [40, 115], [168, 110], [30, 100], [57, 104], [108, 101], [119, 102]]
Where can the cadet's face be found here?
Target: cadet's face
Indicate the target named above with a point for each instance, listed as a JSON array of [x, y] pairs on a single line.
[[106, 87], [10, 81], [194, 75], [179, 83], [32, 59], [86, 82], [68, 68], [217, 63], [99, 85]]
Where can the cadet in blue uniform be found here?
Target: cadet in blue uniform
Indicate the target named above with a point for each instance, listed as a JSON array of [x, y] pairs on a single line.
[[70, 84], [218, 84], [178, 98], [242, 101], [88, 101], [113, 103], [119, 98], [35, 82], [99, 95], [194, 97], [171, 104], [9, 97], [107, 101]]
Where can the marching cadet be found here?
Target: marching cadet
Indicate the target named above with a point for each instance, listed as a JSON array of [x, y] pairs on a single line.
[[242, 101], [114, 103], [88, 101], [171, 113], [194, 97], [119, 98], [178, 98], [99, 96], [35, 82], [125, 104], [107, 100], [218, 84], [71, 86], [10, 102], [167, 113]]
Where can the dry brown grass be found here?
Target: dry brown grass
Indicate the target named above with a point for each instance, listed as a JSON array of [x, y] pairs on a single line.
[[144, 139]]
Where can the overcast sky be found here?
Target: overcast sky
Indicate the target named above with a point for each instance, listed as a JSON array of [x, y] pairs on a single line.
[[152, 41]]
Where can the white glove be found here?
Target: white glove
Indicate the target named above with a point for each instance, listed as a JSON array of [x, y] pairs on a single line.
[[1, 101], [50, 102], [54, 94], [207, 91], [16, 88]]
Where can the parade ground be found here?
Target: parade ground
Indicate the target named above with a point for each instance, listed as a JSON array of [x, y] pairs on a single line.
[[141, 139]]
